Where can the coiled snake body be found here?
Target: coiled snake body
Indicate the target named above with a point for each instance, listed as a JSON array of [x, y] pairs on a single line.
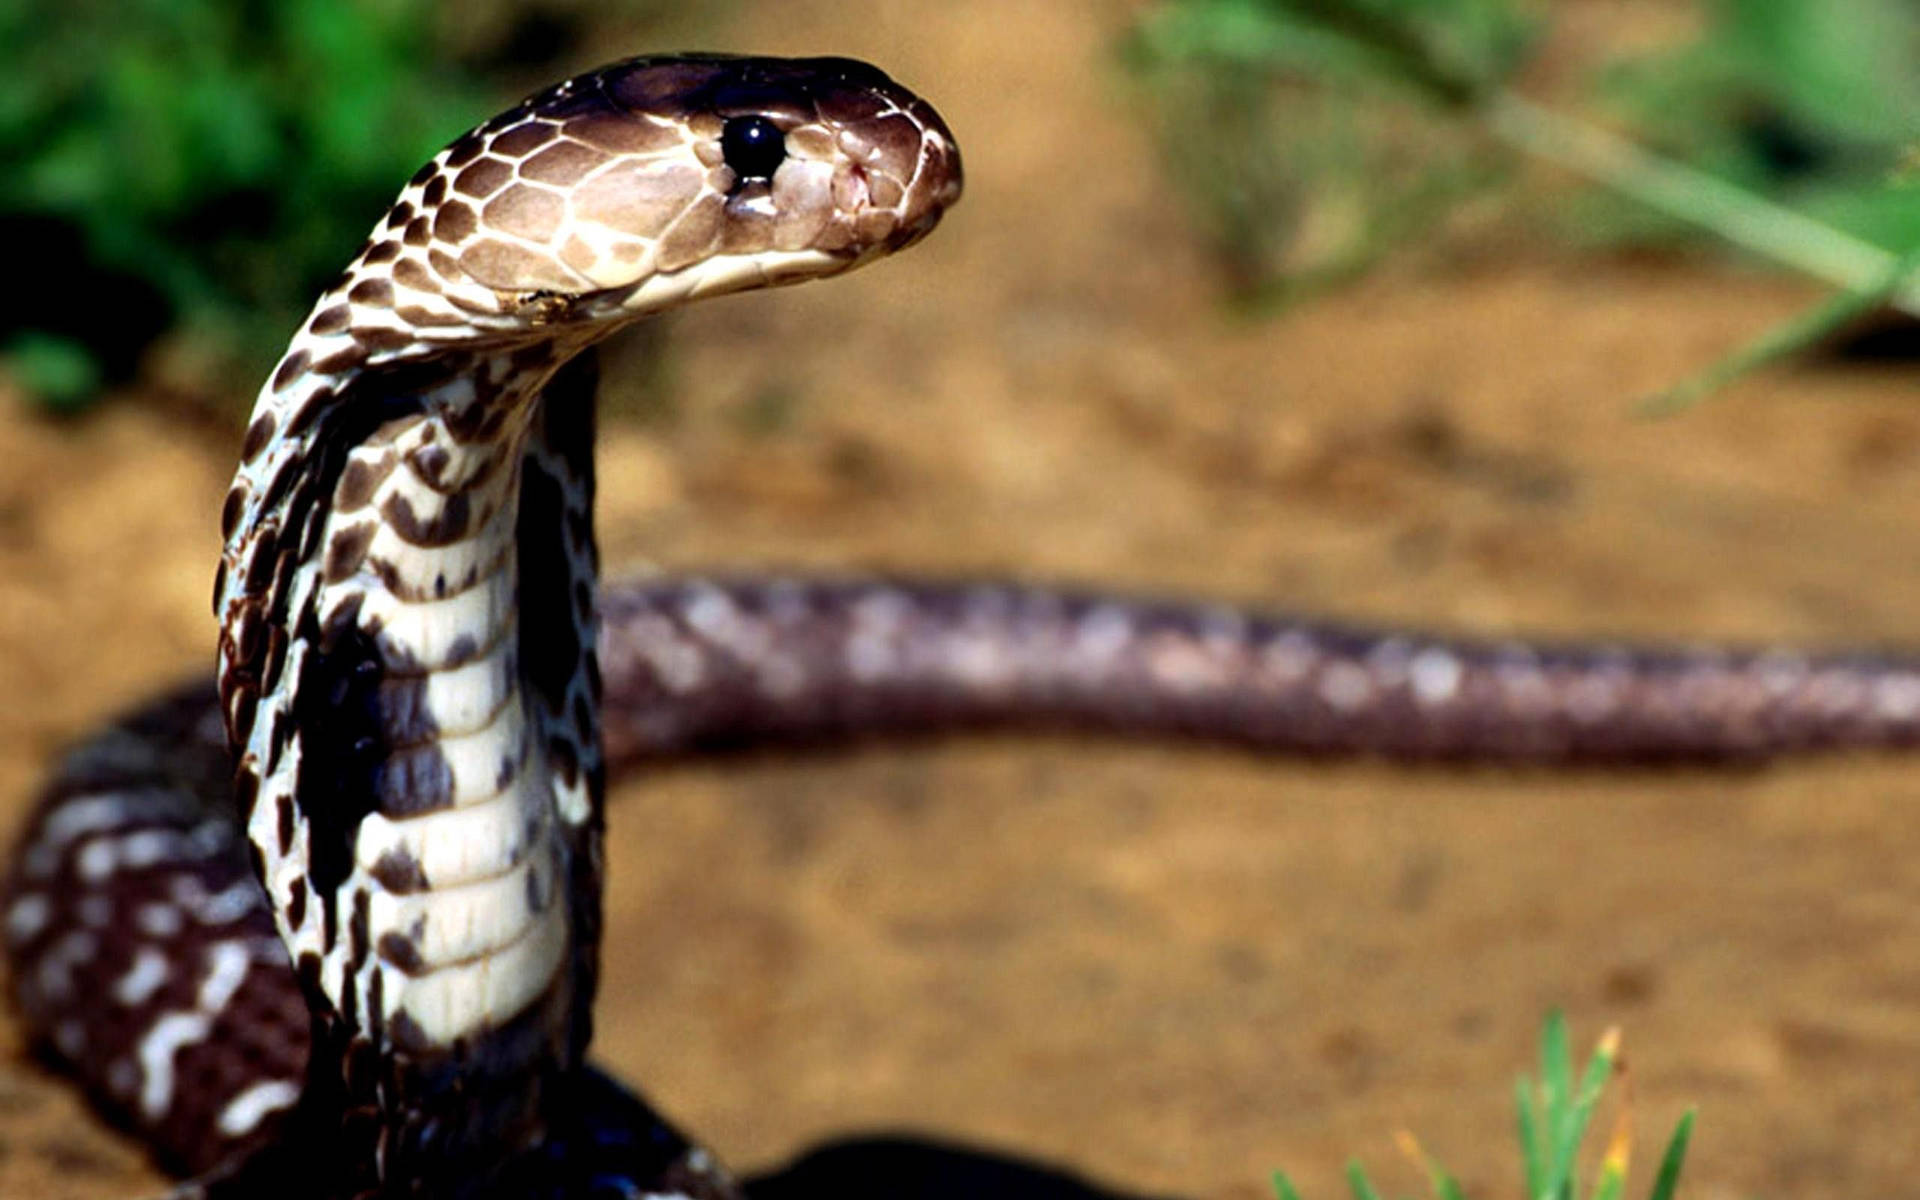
[[410, 702]]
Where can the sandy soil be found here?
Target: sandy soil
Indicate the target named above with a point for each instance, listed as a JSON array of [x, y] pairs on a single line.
[[1172, 968]]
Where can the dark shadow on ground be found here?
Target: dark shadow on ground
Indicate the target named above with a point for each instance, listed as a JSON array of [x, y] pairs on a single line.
[[912, 1168]]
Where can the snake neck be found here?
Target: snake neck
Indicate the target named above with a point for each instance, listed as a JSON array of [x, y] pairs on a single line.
[[422, 765]]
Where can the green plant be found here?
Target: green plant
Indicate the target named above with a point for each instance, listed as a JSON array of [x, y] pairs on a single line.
[[1779, 130], [1313, 135], [205, 166], [1554, 1116], [1813, 102]]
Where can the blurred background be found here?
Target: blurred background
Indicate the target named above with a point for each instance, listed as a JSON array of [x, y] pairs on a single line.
[[1341, 306]]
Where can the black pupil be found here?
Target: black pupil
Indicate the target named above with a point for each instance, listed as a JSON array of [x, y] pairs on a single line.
[[753, 147]]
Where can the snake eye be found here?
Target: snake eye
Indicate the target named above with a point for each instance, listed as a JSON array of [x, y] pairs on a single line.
[[753, 146]]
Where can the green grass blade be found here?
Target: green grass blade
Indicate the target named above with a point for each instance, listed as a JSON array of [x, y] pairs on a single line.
[[1532, 1148], [1556, 1063], [1788, 338], [1553, 1118], [1556, 1084], [1571, 1126], [1362, 1186], [1734, 213], [1676, 1156]]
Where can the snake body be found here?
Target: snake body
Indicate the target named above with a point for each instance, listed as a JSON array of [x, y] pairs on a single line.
[[411, 728], [406, 656]]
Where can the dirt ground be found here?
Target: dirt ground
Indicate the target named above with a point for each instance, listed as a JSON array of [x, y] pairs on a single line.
[[1174, 969]]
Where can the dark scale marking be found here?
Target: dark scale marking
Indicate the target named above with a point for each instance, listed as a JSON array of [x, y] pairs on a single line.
[[230, 513], [452, 523], [379, 254], [359, 943], [464, 648], [259, 433], [478, 423], [349, 997], [412, 273], [300, 422], [377, 1005], [463, 152], [246, 789], [401, 704], [378, 339], [399, 872], [297, 903], [275, 659], [406, 1034], [414, 314], [347, 550], [399, 214], [410, 782], [342, 361], [330, 320], [291, 368], [278, 733], [430, 463], [435, 192], [374, 293], [248, 638], [419, 233], [357, 484], [258, 571], [401, 952]]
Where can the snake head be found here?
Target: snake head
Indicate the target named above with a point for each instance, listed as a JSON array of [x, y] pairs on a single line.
[[649, 182]]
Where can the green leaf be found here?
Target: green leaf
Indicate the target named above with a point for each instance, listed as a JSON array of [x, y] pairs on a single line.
[[1674, 1159]]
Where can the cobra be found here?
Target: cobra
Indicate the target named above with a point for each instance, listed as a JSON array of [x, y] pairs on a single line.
[[406, 606], [409, 703]]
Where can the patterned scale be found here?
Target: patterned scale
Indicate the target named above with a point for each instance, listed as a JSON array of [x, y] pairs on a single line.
[[409, 687]]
